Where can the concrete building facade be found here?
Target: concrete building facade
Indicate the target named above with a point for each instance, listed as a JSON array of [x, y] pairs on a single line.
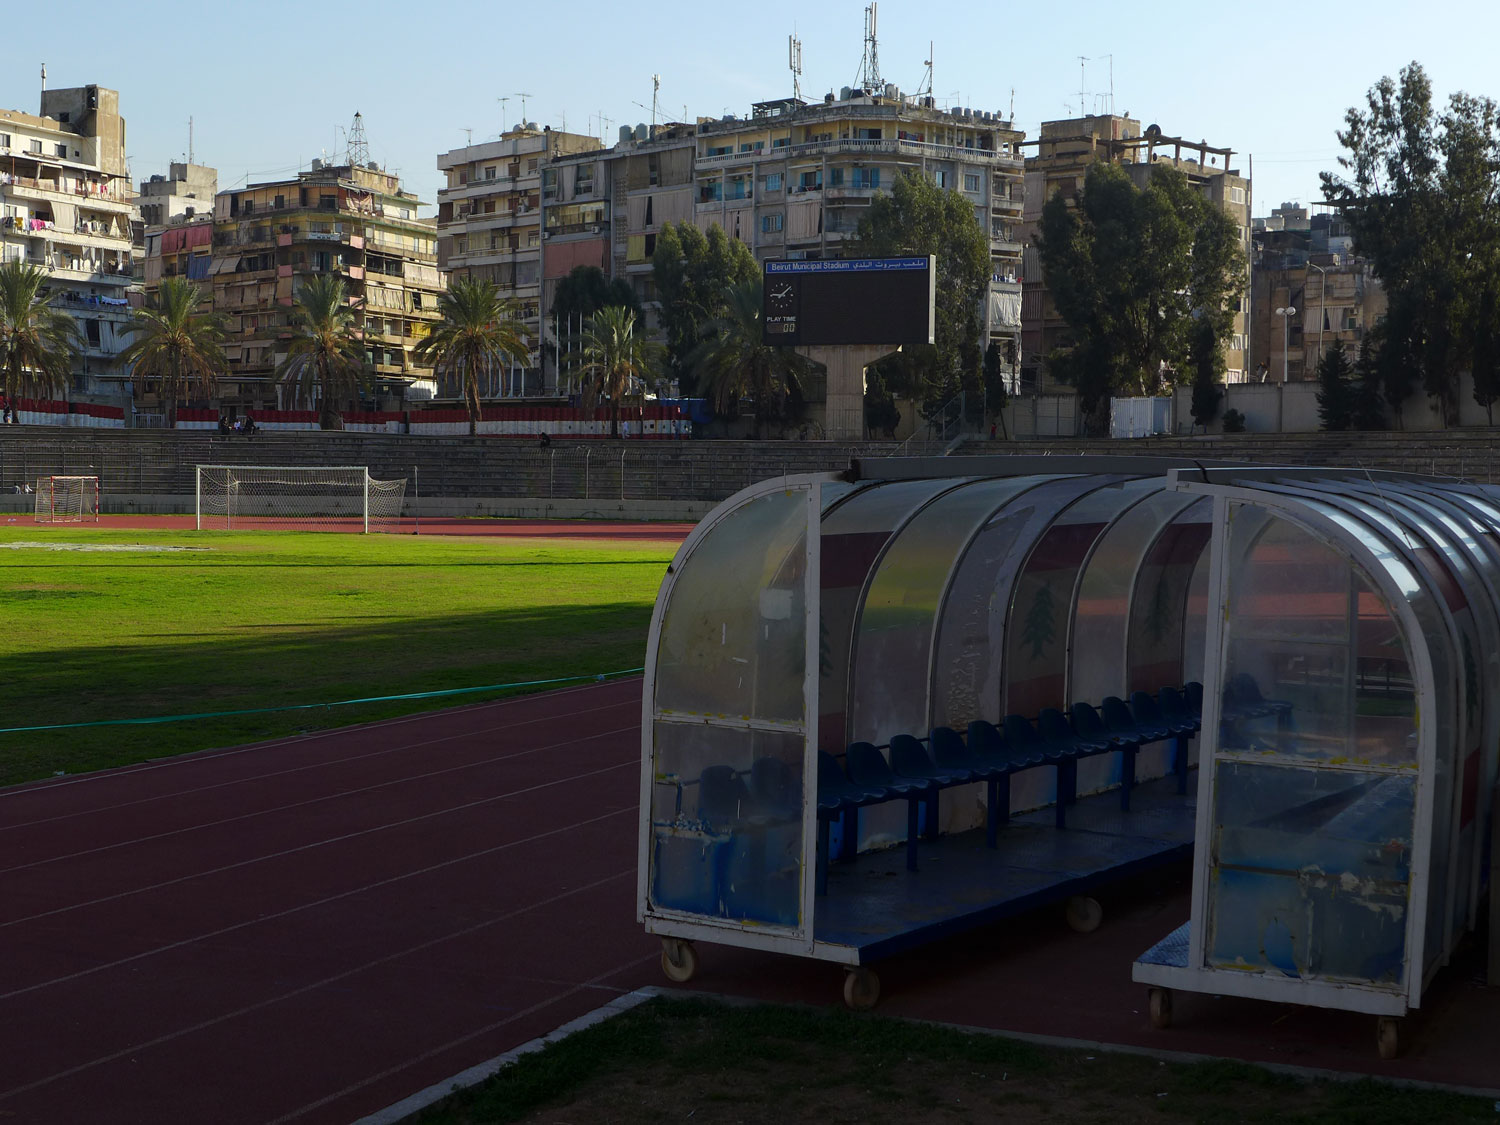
[[489, 226], [187, 191], [350, 220], [65, 205], [1064, 151]]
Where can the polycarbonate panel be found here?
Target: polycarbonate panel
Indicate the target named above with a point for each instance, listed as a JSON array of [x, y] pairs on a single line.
[[1036, 657], [732, 639], [893, 648], [968, 667], [726, 824], [1101, 615], [1159, 604], [1311, 872], [852, 537]]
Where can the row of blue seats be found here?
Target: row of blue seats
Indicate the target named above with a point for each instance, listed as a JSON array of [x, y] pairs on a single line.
[[917, 773]]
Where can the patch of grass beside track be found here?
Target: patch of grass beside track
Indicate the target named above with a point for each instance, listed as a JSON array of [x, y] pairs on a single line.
[[693, 1060], [271, 619]]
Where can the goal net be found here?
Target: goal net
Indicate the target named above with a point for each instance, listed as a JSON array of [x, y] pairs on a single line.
[[67, 499], [297, 498]]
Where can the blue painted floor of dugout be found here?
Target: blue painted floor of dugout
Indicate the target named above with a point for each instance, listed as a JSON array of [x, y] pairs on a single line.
[[876, 906]]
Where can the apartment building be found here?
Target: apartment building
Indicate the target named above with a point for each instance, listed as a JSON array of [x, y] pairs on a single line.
[[489, 226], [352, 220], [187, 191], [65, 205], [1064, 151], [793, 179]]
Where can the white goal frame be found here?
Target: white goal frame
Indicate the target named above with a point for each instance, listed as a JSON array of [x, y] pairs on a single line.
[[67, 499], [220, 498]]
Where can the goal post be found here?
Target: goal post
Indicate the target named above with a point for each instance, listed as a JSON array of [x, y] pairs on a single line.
[[296, 498], [64, 499]]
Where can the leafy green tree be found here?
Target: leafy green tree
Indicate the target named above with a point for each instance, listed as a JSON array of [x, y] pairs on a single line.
[[325, 361], [1207, 359], [918, 218], [733, 361], [693, 271], [1485, 356], [177, 345], [38, 343], [478, 331], [882, 415], [1130, 272], [1335, 388], [1367, 407], [585, 290], [1419, 189], [615, 360]]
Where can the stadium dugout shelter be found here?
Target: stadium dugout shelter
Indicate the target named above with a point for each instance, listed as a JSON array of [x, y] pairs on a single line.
[[928, 694]]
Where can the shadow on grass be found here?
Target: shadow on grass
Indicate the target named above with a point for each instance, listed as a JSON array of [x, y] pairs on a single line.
[[272, 666]]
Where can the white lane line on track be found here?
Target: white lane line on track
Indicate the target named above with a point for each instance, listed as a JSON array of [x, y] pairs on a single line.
[[316, 800], [343, 838], [573, 990], [199, 756], [204, 1025], [144, 954], [402, 748]]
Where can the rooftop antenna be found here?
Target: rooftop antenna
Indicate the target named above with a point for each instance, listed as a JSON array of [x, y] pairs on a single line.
[[1111, 104], [924, 88], [1012, 117], [794, 61], [359, 146], [468, 138], [502, 102], [1082, 93], [655, 90], [869, 64], [190, 140], [523, 96], [44, 78]]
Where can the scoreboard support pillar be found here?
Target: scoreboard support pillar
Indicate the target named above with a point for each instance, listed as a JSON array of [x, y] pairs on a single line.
[[844, 408]]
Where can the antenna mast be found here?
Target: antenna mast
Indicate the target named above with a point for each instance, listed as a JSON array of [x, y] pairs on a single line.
[[794, 61], [358, 153], [655, 90], [44, 78], [523, 96], [502, 102], [190, 140], [869, 65], [924, 88]]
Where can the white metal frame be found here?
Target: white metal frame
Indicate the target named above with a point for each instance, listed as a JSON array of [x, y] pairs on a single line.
[[1196, 976], [86, 508], [679, 924]]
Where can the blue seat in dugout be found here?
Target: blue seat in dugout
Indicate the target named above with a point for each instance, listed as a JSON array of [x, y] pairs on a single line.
[[909, 758], [1148, 714], [950, 752], [1055, 730], [1021, 736], [1090, 724], [775, 789], [838, 797], [867, 766], [1175, 710]]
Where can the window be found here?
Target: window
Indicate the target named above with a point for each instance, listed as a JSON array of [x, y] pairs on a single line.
[[4, 140], [835, 177], [810, 181], [867, 134], [531, 166], [867, 177], [710, 192], [249, 205], [650, 245], [770, 224], [34, 147], [781, 142], [649, 219], [1236, 195], [322, 261], [489, 171], [718, 150], [773, 182], [93, 331], [281, 201], [1237, 342], [942, 179], [62, 150], [971, 181]]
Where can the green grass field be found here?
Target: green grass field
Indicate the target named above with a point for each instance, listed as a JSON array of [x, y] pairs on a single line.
[[173, 623]]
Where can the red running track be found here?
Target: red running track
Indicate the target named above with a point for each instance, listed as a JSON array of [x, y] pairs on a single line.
[[513, 528], [315, 928]]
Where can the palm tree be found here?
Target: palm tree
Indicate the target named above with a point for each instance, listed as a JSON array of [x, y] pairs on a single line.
[[478, 330], [38, 343], [733, 360], [325, 362], [613, 359], [176, 345]]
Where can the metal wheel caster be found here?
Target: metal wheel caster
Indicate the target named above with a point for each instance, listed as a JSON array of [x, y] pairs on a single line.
[[1161, 1007], [679, 960], [1084, 914], [1388, 1036], [861, 988]]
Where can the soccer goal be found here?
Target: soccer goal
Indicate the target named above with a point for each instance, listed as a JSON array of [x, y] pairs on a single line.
[[67, 500], [297, 498]]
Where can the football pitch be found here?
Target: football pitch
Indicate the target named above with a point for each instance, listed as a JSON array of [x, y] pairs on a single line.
[[105, 625]]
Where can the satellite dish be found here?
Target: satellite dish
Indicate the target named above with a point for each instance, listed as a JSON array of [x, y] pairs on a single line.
[[1153, 130]]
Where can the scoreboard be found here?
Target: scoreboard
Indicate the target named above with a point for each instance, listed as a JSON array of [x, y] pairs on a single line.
[[853, 301]]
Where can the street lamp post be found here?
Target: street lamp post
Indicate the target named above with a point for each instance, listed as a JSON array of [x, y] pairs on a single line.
[[1286, 315]]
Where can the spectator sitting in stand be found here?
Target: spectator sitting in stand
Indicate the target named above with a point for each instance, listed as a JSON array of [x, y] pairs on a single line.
[[224, 427], [250, 426]]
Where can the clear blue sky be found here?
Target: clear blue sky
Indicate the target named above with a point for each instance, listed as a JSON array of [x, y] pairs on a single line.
[[274, 84]]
